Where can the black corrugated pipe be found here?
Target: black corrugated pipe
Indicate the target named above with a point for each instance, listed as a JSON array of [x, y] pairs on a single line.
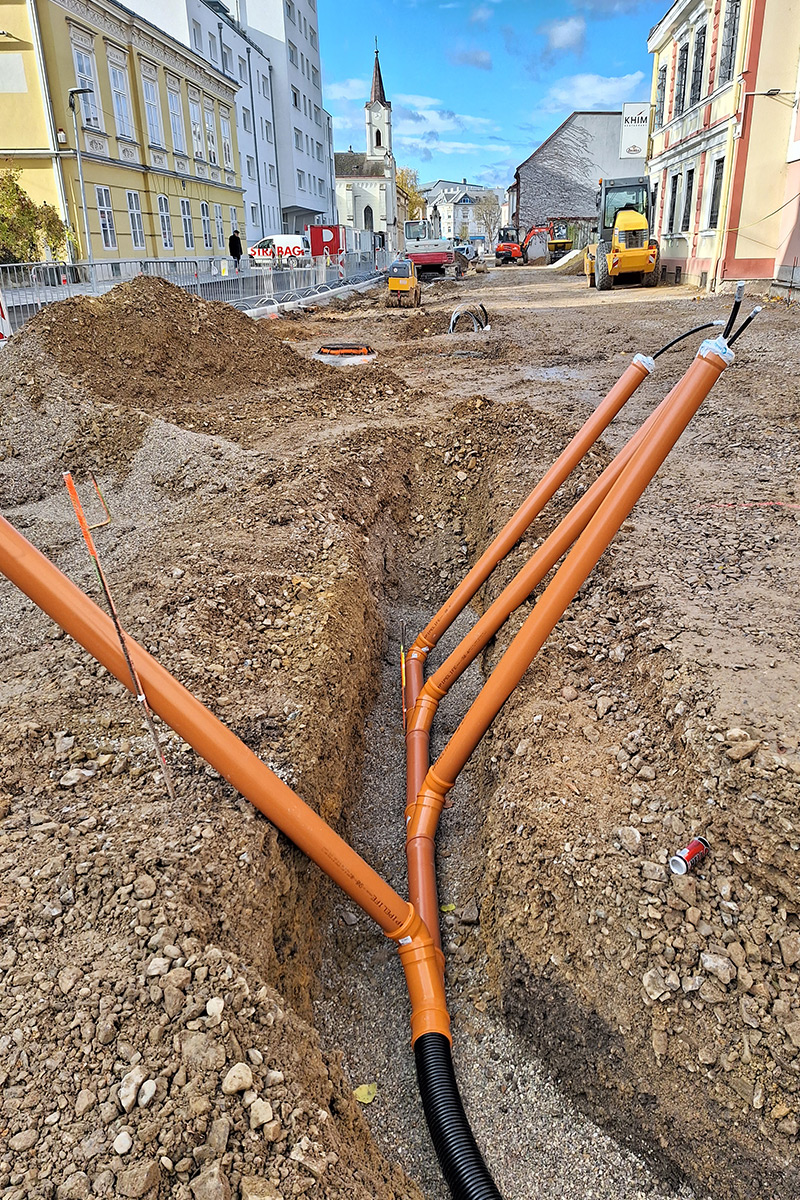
[[461, 1161]]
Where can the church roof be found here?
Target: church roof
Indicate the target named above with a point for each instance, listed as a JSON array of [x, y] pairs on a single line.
[[350, 165], [378, 95]]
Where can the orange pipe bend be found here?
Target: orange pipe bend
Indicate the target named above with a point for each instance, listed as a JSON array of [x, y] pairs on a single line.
[[713, 357], [70, 608], [634, 375]]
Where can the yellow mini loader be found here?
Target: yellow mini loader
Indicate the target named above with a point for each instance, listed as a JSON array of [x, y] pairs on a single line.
[[404, 286], [625, 246]]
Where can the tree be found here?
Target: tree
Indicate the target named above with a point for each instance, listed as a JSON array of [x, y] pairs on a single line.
[[27, 230], [487, 214], [408, 180]]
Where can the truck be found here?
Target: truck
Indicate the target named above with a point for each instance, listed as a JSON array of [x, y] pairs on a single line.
[[281, 249], [426, 247], [624, 244]]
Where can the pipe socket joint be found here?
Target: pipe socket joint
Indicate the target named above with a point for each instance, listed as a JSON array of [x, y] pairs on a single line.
[[644, 361], [424, 978]]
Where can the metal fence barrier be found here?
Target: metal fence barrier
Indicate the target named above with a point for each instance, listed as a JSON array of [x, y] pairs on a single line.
[[28, 287]]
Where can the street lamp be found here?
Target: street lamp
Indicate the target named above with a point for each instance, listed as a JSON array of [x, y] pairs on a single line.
[[73, 92]]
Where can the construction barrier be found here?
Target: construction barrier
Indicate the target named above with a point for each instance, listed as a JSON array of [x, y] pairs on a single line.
[[5, 324], [28, 287]]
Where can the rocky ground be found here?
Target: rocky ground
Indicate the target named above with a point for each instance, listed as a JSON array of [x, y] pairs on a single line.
[[186, 1003]]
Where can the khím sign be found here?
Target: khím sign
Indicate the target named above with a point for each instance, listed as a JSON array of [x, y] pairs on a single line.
[[633, 130]]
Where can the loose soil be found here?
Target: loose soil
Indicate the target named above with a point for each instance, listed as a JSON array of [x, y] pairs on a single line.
[[186, 1002]]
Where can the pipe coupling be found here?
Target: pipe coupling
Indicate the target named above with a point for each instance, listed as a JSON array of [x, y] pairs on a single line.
[[424, 978]]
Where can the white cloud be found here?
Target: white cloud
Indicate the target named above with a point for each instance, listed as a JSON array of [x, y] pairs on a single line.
[[417, 101], [481, 59], [564, 35], [591, 92], [480, 14], [348, 89], [440, 146]]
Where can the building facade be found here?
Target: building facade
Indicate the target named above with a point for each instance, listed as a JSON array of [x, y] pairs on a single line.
[[725, 149], [288, 33], [457, 206], [156, 130], [366, 184], [559, 181]]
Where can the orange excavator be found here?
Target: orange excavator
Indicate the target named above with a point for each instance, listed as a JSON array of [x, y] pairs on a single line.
[[510, 248]]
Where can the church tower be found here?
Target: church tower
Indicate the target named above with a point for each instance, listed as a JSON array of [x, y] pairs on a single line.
[[378, 115]]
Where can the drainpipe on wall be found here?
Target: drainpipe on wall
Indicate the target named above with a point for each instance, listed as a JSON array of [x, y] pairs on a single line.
[[58, 167], [255, 138], [277, 155]]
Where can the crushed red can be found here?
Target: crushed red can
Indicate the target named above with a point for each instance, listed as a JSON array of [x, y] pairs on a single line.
[[690, 858]]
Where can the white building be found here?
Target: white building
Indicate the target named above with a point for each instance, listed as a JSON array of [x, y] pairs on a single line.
[[286, 30], [271, 50], [455, 204], [366, 184]]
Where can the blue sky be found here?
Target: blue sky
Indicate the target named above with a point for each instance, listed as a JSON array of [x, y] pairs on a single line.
[[476, 85]]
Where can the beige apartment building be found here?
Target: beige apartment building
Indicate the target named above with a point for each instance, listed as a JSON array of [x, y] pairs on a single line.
[[725, 148], [155, 121]]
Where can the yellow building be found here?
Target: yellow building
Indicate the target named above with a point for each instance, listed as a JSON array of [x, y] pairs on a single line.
[[157, 132], [724, 148]]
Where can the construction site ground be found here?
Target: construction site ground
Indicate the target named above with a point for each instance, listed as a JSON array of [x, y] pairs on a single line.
[[186, 1004]]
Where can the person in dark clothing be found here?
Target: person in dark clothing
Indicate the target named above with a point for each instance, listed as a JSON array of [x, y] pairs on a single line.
[[235, 247]]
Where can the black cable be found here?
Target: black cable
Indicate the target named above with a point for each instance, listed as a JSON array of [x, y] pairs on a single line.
[[737, 304], [747, 321], [462, 1164], [689, 332]]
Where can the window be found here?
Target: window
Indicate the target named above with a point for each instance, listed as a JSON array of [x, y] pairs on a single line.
[[312, 37], [686, 219], [84, 73], [368, 217], [152, 109], [135, 216], [272, 173], [295, 98], [166, 223], [697, 65], [107, 230], [205, 220], [319, 151], [673, 200], [197, 36], [220, 226], [378, 138], [186, 218], [729, 36], [321, 183], [317, 115], [233, 217], [265, 86], [680, 79], [211, 136], [292, 53], [301, 179], [268, 130], [290, 11], [247, 120], [315, 76], [242, 70], [716, 193], [198, 142], [298, 140], [254, 215], [176, 122], [122, 104], [661, 92], [212, 47], [251, 167], [227, 145], [227, 60]]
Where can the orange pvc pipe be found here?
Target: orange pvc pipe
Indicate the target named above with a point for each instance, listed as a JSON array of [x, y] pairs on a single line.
[[634, 375], [688, 395], [70, 608]]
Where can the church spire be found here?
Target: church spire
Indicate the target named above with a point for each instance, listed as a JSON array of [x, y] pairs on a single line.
[[377, 95]]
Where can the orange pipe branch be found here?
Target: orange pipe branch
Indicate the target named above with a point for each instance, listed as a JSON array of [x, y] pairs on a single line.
[[713, 357], [621, 392], [421, 825], [70, 608]]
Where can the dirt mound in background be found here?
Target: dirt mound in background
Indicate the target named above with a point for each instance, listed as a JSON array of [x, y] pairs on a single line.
[[147, 336]]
